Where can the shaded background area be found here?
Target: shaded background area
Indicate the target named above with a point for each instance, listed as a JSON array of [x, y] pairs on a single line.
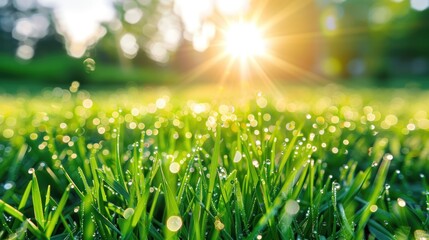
[[156, 42]]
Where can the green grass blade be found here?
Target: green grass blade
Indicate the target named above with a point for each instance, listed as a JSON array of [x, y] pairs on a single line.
[[37, 202], [25, 196], [356, 186], [89, 220], [85, 183], [104, 220], [12, 211], [24, 200], [376, 191], [18, 215], [140, 208], [47, 200], [54, 220], [115, 185], [277, 203], [290, 147], [379, 231], [118, 159], [213, 171], [347, 229], [74, 186]]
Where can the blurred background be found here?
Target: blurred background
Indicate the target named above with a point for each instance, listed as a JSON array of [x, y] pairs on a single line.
[[164, 41]]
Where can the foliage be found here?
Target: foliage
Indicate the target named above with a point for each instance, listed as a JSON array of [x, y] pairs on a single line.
[[318, 163]]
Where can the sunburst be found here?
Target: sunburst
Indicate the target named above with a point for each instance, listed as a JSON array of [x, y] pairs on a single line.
[[244, 47], [244, 40]]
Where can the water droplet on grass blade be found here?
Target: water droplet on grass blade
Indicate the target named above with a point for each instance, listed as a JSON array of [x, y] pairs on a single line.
[[421, 234], [174, 223], [255, 163], [129, 212], [336, 185], [89, 64], [237, 157], [388, 157], [8, 185], [218, 224], [401, 202], [373, 208], [174, 167], [80, 131], [292, 207], [31, 171]]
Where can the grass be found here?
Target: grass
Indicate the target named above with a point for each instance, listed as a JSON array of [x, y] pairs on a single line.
[[316, 163]]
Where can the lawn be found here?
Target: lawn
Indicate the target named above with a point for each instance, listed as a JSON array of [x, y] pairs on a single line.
[[303, 162]]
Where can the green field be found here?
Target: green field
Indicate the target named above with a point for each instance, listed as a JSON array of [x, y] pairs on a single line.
[[205, 163]]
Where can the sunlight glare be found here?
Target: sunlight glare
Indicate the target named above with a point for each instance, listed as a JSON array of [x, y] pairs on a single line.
[[229, 7], [244, 40]]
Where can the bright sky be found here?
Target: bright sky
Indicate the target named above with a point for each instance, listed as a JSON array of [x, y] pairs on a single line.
[[79, 21]]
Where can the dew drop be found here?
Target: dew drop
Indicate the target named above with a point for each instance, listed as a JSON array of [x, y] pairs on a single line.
[[174, 223], [388, 157], [255, 163], [373, 208], [401, 202], [89, 64], [8, 185], [292, 207], [174, 167], [80, 131], [31, 171], [129, 212], [421, 234], [336, 185], [237, 157], [218, 224]]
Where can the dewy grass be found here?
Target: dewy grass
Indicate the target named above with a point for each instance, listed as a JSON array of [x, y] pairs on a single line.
[[315, 164]]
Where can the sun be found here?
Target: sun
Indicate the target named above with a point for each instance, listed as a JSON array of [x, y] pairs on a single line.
[[244, 40], [245, 52]]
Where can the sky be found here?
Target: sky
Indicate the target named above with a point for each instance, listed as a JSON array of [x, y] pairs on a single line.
[[80, 21]]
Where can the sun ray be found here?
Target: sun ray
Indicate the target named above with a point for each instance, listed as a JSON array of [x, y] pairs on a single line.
[[244, 75], [198, 71], [294, 70], [259, 10], [225, 75], [265, 78], [338, 33], [317, 34], [285, 13]]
